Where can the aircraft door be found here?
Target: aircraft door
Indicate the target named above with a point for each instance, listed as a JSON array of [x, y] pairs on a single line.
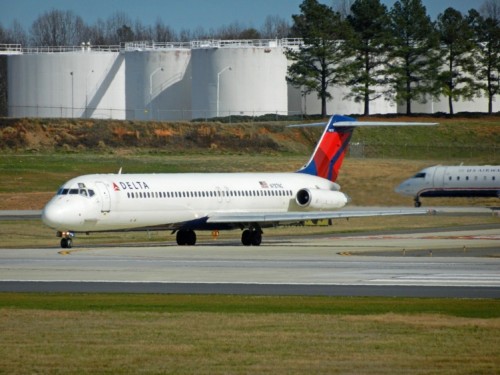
[[105, 196]]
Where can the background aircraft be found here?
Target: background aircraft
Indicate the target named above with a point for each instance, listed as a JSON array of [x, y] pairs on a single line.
[[188, 202], [453, 181]]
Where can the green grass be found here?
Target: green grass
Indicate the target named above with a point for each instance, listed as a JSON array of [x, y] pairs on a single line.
[[469, 308], [169, 334]]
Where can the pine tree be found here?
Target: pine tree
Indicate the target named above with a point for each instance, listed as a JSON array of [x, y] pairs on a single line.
[[414, 53], [487, 61], [366, 71], [318, 63], [456, 79]]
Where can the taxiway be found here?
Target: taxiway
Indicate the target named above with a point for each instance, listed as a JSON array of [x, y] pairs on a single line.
[[398, 264]]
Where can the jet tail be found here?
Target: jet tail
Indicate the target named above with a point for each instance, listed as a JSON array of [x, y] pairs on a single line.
[[329, 154], [330, 151]]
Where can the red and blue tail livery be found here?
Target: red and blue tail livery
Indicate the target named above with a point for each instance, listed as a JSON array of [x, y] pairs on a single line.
[[330, 151]]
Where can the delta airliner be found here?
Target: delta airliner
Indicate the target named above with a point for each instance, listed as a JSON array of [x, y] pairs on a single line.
[[187, 202]]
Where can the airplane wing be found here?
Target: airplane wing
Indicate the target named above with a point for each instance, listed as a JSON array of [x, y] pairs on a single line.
[[273, 217]]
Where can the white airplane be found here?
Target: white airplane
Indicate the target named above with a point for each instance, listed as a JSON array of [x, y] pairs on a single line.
[[187, 202], [453, 181]]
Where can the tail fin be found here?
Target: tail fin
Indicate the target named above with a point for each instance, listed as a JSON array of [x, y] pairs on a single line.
[[329, 153]]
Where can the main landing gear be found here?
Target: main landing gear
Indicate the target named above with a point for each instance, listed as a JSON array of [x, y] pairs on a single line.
[[186, 237], [251, 237]]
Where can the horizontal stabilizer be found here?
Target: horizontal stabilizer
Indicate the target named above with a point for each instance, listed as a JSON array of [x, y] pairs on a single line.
[[364, 123]]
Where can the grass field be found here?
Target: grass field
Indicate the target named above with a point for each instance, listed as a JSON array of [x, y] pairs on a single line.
[[61, 333]]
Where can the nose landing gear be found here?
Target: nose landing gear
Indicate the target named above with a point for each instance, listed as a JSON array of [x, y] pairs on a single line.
[[417, 201], [66, 239]]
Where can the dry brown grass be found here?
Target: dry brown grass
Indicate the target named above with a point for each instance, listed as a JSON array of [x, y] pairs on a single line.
[[36, 341]]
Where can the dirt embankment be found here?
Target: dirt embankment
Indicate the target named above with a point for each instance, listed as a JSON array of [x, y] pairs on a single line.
[[101, 135]]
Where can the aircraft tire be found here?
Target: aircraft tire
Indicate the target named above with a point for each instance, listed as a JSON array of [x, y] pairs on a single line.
[[256, 238], [186, 237], [181, 238], [246, 237], [190, 238], [66, 243]]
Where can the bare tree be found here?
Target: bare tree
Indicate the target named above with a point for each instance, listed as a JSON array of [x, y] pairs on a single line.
[[57, 28], [162, 32], [490, 9], [343, 7], [119, 28], [275, 27]]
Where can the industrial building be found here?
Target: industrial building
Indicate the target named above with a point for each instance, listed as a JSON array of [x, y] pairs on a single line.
[[173, 81]]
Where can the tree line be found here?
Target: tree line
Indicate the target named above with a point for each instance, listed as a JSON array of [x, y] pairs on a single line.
[[64, 28], [398, 53]]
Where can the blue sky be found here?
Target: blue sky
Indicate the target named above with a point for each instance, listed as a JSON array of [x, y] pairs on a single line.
[[185, 14]]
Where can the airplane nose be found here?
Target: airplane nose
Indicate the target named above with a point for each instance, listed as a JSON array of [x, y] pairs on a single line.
[[403, 188], [60, 215]]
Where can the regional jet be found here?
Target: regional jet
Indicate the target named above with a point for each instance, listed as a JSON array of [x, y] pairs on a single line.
[[189, 202], [453, 181]]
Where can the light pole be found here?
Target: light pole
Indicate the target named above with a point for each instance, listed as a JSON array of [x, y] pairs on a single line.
[[151, 88], [72, 97], [218, 84]]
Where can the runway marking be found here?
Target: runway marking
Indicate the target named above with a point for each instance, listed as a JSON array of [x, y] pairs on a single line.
[[493, 237]]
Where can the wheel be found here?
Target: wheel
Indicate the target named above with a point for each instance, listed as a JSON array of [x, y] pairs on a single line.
[[190, 238], [66, 243], [246, 237], [181, 238], [418, 204], [186, 237], [256, 238]]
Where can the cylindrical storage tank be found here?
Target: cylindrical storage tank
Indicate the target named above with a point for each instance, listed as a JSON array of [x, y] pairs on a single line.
[[310, 104], [247, 81], [76, 84], [432, 105], [158, 84]]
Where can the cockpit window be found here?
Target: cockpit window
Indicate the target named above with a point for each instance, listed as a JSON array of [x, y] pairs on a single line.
[[419, 175], [81, 191]]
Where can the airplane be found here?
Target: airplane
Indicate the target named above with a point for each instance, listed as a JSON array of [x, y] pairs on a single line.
[[452, 181], [184, 203]]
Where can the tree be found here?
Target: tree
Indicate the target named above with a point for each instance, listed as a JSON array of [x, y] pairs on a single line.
[[57, 28], [413, 58], [370, 23], [318, 63], [487, 61], [275, 27], [456, 80]]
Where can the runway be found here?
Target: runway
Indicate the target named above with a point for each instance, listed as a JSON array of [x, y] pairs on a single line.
[[429, 264]]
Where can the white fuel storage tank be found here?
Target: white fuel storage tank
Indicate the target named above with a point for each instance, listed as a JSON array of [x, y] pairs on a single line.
[[67, 84], [158, 84], [238, 80]]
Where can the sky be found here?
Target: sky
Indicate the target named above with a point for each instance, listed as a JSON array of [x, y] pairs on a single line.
[[186, 14]]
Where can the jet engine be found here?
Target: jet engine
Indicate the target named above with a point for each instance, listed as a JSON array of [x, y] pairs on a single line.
[[318, 199]]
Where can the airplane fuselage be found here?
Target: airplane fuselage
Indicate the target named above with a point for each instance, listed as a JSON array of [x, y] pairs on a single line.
[[453, 181], [104, 202]]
